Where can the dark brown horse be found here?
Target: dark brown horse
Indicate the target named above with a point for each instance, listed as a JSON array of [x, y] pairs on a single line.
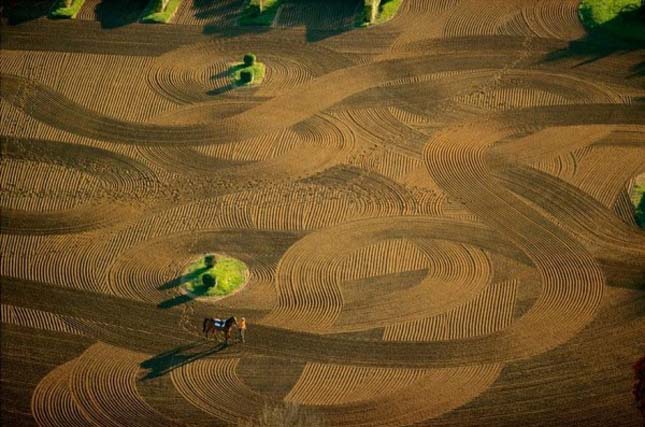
[[212, 325]]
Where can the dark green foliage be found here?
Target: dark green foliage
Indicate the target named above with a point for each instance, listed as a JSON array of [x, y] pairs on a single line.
[[249, 59], [640, 212], [208, 280], [246, 76], [209, 260]]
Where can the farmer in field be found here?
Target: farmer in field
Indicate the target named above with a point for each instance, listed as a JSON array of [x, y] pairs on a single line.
[[241, 327]]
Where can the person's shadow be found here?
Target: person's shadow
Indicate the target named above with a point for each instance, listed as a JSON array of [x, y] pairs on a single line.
[[165, 362]]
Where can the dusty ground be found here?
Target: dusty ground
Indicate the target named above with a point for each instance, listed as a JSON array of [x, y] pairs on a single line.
[[434, 213]]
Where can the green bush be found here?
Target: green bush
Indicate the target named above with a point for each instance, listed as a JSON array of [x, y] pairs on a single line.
[[252, 15], [208, 280], [246, 76], [66, 9], [249, 59], [209, 260], [640, 212], [155, 13], [617, 18]]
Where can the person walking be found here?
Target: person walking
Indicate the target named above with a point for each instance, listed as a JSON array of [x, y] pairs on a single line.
[[241, 327]]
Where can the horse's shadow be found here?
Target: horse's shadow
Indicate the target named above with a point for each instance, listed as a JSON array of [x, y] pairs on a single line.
[[170, 360]]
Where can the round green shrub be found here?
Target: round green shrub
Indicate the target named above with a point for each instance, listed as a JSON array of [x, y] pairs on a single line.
[[246, 76], [209, 260], [249, 59], [208, 280]]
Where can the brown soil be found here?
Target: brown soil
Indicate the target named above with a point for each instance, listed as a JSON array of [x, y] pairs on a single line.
[[434, 212]]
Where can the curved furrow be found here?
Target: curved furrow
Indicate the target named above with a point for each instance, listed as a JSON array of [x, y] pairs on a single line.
[[432, 393], [220, 14], [490, 311], [38, 319], [52, 403], [89, 79], [454, 274], [554, 19], [333, 385], [211, 386], [332, 15], [198, 72], [471, 17], [309, 290], [50, 107], [151, 270], [601, 160], [550, 142], [572, 281], [576, 211], [105, 377]]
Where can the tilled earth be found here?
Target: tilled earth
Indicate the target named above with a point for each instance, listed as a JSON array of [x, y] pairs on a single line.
[[434, 211]]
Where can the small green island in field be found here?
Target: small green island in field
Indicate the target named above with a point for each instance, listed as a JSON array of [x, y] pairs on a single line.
[[160, 11], [215, 276], [623, 19], [66, 9], [247, 72], [638, 199]]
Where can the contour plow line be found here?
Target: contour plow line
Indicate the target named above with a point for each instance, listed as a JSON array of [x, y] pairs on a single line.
[[572, 282]]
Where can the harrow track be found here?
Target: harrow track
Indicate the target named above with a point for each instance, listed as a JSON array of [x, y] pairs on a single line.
[[434, 213]]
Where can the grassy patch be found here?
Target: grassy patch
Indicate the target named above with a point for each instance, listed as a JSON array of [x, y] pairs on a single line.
[[258, 69], [61, 11], [387, 9], [251, 14], [153, 13], [638, 199], [619, 18], [230, 274]]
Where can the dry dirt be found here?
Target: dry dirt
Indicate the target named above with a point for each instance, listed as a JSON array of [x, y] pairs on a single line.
[[434, 213]]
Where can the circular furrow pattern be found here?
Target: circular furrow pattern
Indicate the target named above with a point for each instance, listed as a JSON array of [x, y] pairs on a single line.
[[52, 403], [453, 275], [310, 295], [103, 378], [198, 72], [151, 271]]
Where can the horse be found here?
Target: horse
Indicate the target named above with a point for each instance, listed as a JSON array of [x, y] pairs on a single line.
[[212, 325]]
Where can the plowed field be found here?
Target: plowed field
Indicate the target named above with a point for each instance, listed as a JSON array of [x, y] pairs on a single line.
[[434, 213]]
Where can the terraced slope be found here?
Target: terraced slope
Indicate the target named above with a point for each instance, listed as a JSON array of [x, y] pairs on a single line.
[[434, 213]]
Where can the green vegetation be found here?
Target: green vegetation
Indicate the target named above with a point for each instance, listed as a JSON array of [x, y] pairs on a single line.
[[66, 9], [227, 275], [638, 199], [259, 12], [155, 12], [247, 72], [618, 18], [378, 11]]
